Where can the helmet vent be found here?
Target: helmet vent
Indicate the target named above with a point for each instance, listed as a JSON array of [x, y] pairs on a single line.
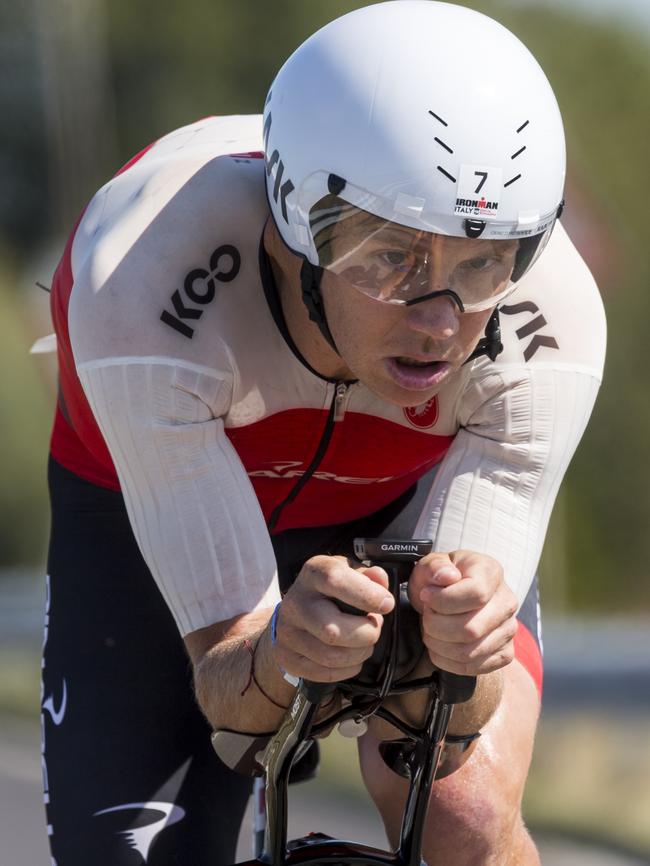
[[446, 146], [474, 228], [446, 174], [335, 184], [521, 150], [444, 122], [523, 126], [512, 180]]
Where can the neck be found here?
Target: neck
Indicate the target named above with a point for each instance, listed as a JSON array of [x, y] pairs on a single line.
[[306, 335]]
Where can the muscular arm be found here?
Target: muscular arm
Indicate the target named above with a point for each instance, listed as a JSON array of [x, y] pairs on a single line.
[[315, 640], [222, 674]]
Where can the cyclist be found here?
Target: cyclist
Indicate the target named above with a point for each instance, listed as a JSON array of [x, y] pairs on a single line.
[[276, 333]]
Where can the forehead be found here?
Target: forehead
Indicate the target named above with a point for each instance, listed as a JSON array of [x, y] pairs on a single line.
[[355, 225]]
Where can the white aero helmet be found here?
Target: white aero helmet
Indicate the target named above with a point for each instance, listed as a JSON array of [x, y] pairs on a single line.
[[419, 114]]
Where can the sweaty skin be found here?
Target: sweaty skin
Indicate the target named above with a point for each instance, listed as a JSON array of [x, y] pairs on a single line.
[[467, 610], [466, 592]]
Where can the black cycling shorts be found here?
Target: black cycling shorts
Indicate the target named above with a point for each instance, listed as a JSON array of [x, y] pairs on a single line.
[[130, 776]]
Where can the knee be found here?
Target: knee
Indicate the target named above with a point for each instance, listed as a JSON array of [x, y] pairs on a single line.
[[467, 826]]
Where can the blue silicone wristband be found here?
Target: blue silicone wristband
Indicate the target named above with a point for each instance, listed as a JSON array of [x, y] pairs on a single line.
[[274, 639], [274, 624]]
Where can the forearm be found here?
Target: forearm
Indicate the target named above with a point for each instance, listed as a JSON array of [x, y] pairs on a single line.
[[238, 684]]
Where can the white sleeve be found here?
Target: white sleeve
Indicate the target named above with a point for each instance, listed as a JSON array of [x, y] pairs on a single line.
[[496, 486], [192, 507], [522, 418]]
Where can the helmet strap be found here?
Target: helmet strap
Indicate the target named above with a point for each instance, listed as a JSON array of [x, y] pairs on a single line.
[[310, 277], [490, 344]]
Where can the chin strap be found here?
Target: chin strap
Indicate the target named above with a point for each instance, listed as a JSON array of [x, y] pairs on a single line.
[[490, 344], [310, 277]]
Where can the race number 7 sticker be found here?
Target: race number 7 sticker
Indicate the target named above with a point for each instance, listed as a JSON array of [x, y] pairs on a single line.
[[479, 190]]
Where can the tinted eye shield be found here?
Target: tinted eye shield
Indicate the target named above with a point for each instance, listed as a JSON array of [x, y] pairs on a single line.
[[408, 287], [396, 265]]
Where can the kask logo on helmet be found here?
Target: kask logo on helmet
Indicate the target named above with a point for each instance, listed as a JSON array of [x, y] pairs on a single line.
[[280, 190]]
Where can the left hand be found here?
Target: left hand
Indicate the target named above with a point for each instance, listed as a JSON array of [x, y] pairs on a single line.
[[468, 611]]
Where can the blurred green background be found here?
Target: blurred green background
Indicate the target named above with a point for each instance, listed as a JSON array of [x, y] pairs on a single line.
[[85, 84]]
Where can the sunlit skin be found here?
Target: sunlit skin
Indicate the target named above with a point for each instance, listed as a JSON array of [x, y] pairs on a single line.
[[467, 609], [476, 811], [371, 334]]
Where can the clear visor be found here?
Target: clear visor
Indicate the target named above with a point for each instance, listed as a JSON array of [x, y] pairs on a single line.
[[395, 264]]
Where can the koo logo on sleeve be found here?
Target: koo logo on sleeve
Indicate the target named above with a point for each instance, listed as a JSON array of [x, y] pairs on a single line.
[[200, 287]]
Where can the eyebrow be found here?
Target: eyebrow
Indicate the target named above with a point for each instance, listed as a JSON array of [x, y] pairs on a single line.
[[388, 233]]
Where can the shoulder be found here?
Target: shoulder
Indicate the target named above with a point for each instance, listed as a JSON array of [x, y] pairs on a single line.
[[158, 242], [555, 317], [192, 172]]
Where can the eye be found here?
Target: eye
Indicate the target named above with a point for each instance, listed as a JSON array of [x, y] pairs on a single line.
[[397, 259], [480, 264]]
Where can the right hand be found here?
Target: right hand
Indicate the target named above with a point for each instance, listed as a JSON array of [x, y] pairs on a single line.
[[315, 640]]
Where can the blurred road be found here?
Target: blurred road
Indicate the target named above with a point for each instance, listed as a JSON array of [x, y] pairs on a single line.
[[24, 841]]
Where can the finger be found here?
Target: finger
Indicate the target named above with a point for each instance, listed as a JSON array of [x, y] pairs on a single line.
[[333, 577], [320, 616], [472, 668], [438, 569], [376, 574], [476, 652], [470, 593], [305, 644], [300, 666], [433, 569], [468, 627]]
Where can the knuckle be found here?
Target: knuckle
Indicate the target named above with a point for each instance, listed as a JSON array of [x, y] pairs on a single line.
[[313, 566], [330, 633], [472, 631], [505, 656], [335, 578]]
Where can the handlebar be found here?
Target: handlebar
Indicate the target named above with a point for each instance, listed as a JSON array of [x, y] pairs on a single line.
[[366, 695], [397, 557]]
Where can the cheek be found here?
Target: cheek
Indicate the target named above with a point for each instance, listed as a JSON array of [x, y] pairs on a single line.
[[473, 326], [358, 324]]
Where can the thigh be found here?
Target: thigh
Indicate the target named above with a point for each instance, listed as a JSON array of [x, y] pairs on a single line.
[[129, 772], [479, 806]]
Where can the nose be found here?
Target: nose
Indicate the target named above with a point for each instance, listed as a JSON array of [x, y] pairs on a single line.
[[439, 317]]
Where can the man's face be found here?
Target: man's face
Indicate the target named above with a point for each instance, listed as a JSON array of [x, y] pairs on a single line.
[[406, 353]]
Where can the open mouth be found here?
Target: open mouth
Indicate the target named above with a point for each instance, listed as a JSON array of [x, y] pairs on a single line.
[[411, 362], [415, 374]]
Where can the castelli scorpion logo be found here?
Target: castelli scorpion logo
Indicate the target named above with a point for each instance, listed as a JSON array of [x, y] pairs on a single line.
[[423, 416]]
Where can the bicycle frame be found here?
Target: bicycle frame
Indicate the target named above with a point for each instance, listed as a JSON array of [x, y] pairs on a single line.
[[299, 725]]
